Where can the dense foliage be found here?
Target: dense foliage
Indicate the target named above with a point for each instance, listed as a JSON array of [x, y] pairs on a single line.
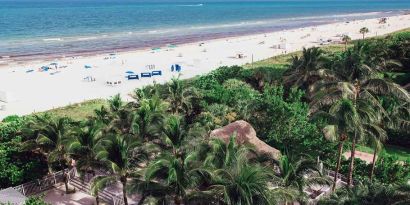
[[159, 145]]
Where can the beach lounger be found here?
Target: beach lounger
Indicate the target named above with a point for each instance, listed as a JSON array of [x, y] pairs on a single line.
[[156, 72], [133, 77], [145, 75]]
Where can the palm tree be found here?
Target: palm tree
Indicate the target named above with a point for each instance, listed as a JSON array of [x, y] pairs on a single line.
[[149, 117], [176, 174], [308, 68], [115, 103], [363, 31], [376, 137], [180, 97], [346, 40], [243, 183], [292, 170], [174, 133], [51, 136], [356, 81], [221, 154], [83, 147], [370, 193], [115, 153], [343, 120]]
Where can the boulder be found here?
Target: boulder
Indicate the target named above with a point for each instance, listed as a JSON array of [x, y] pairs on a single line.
[[245, 134]]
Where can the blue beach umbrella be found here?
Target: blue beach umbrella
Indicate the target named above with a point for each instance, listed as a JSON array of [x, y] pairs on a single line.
[[129, 72]]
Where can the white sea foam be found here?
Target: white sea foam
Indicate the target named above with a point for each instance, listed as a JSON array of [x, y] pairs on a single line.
[[53, 39], [191, 5]]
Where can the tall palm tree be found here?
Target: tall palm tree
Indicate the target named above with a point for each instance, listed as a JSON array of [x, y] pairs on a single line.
[[346, 40], [343, 121], [308, 68], [376, 137], [51, 135], [115, 153], [363, 31], [358, 82], [83, 147]]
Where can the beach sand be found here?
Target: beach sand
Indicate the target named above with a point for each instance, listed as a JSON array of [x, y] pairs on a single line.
[[36, 91]]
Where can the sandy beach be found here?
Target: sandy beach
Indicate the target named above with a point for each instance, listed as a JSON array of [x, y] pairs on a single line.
[[27, 89]]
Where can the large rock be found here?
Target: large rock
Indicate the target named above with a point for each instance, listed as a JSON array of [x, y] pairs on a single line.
[[245, 134]]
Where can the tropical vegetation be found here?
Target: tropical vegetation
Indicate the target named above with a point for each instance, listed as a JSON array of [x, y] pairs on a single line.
[[314, 108]]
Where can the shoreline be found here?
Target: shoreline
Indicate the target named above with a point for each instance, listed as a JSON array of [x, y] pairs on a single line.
[[10, 59], [36, 91]]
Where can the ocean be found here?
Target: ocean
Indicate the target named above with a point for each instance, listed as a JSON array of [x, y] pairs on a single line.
[[36, 28]]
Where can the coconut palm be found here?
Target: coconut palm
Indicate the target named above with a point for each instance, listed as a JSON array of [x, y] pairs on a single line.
[[292, 171], [243, 183], [358, 82], [174, 174], [180, 97], [363, 31], [343, 122], [308, 68], [370, 193], [115, 103], [149, 117], [221, 154], [174, 133], [376, 137], [51, 136], [116, 153], [83, 147], [346, 40], [102, 115]]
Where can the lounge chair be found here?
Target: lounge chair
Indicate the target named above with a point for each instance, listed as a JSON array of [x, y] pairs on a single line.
[[133, 77], [145, 75], [156, 72]]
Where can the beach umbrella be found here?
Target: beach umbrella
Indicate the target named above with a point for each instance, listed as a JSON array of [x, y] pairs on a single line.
[[172, 68], [129, 72], [156, 49], [172, 46], [87, 66]]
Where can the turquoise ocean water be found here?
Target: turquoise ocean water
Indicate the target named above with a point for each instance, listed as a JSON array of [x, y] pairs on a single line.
[[36, 28]]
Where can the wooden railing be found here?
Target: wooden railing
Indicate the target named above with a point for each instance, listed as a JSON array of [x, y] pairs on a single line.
[[40, 185]]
